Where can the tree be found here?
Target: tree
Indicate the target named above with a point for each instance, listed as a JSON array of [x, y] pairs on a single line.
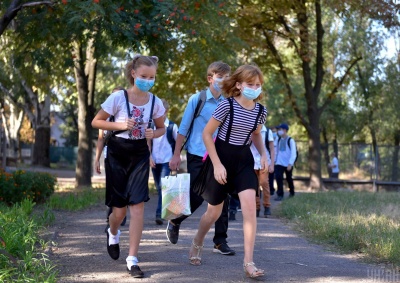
[[293, 34], [94, 29]]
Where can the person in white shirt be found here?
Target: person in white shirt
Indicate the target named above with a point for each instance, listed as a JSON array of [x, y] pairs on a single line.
[[135, 110], [100, 148], [271, 176], [162, 151], [268, 141], [285, 158], [334, 165]]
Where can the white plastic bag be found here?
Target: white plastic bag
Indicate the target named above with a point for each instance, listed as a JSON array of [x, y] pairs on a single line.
[[175, 192]]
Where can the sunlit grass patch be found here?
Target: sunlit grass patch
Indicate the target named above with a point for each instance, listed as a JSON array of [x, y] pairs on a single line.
[[76, 199], [363, 222]]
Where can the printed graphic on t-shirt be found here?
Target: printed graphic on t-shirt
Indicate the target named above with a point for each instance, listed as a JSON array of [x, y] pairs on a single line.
[[138, 130]]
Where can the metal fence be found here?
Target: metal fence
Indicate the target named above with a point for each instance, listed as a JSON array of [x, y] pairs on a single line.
[[356, 161]]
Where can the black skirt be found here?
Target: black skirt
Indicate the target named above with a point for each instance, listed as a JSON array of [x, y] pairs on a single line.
[[127, 172], [239, 164]]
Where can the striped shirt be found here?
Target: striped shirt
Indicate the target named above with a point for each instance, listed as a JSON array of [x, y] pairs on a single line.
[[243, 121]]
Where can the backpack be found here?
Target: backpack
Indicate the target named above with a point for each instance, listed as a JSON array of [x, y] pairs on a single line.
[[199, 107], [170, 136], [288, 143], [267, 141]]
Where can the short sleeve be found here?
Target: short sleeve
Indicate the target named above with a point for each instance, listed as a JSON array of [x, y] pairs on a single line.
[[270, 136], [159, 109], [263, 116], [112, 103], [221, 111]]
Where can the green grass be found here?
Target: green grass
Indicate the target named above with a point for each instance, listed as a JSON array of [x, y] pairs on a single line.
[[363, 222], [78, 199], [22, 257]]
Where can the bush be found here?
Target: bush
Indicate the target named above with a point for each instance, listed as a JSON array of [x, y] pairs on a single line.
[[20, 185]]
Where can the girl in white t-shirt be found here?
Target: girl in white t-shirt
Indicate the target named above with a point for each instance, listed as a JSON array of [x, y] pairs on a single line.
[[128, 153]]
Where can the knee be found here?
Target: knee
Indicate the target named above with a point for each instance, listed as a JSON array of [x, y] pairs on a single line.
[[212, 215], [136, 209], [119, 213]]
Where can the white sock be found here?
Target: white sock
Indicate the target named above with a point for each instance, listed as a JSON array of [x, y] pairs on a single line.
[[131, 260], [113, 239]]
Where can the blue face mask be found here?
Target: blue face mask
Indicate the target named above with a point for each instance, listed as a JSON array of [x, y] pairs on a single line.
[[144, 85], [275, 135], [216, 84], [250, 93]]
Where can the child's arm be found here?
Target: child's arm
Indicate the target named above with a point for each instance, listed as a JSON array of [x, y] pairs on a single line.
[[272, 151], [259, 144], [158, 132], [219, 169], [99, 150]]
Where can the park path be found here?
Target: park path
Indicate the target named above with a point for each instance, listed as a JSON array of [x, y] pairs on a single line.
[[81, 256]]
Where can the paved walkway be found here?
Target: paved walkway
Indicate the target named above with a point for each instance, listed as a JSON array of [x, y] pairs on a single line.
[[287, 257]]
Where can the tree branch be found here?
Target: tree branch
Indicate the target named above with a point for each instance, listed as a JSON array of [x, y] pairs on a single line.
[[331, 96], [284, 75], [13, 10], [304, 50], [320, 59]]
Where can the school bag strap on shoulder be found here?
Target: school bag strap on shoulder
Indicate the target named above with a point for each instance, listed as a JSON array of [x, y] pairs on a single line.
[[267, 141], [170, 136], [112, 118], [197, 111], [151, 124], [260, 111]]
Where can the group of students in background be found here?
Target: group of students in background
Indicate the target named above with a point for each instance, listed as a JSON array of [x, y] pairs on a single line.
[[230, 154]]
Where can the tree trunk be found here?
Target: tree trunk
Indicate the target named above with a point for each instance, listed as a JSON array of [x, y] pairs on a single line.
[[314, 153], [395, 158], [85, 72], [41, 147], [15, 124], [2, 137], [376, 153], [38, 113], [335, 146], [325, 149]]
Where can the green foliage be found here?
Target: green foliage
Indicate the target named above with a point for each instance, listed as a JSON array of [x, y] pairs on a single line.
[[352, 221], [21, 253], [20, 185]]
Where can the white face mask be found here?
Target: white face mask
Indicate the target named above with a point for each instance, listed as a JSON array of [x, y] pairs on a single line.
[[281, 132], [217, 84]]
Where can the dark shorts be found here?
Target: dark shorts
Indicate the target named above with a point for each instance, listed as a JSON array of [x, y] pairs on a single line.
[[239, 164], [127, 172]]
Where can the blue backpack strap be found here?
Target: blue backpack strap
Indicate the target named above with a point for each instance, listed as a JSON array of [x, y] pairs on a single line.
[[197, 111]]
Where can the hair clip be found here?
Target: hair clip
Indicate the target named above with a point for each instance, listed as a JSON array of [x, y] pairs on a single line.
[[136, 57]]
